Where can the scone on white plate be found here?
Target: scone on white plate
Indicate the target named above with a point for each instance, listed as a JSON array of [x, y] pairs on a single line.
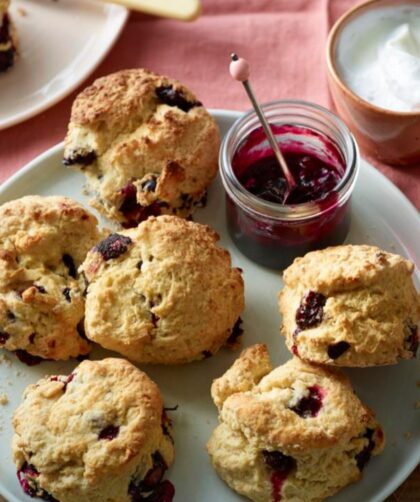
[[163, 292], [146, 145], [8, 37], [98, 434], [293, 433]]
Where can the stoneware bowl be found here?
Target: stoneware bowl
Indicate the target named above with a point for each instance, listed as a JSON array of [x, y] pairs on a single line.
[[390, 136]]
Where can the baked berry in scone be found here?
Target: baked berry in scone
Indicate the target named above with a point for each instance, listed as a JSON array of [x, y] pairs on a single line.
[[145, 144], [43, 240], [8, 37], [294, 433], [350, 306], [163, 292], [99, 434]]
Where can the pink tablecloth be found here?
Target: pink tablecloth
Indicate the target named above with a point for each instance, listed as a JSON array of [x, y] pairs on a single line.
[[283, 39]]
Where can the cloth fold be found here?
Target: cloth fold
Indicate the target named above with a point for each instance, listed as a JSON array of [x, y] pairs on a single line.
[[284, 40]]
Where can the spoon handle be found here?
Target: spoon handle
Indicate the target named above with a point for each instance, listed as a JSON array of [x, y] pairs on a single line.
[[269, 133], [184, 10]]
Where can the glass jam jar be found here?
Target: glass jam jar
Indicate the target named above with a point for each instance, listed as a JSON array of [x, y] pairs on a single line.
[[270, 233]]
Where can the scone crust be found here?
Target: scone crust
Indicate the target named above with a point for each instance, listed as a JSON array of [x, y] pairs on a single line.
[[42, 242], [371, 304], [58, 426], [141, 149], [256, 416], [171, 297]]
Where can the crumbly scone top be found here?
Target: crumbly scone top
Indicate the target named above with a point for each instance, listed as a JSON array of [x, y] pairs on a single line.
[[93, 423], [296, 405], [344, 268], [163, 292]]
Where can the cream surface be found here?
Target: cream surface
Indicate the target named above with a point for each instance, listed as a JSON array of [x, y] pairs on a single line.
[[378, 56]]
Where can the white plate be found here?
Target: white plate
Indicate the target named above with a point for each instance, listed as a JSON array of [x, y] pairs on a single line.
[[381, 215], [60, 44]]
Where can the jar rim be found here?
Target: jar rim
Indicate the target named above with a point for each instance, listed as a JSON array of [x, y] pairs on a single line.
[[250, 202]]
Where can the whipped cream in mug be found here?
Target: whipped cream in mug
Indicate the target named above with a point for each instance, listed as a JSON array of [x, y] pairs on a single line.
[[378, 56]]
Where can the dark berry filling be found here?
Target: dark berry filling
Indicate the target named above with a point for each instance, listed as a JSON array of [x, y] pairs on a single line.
[[110, 432], [167, 422], [71, 267], [152, 488], [282, 465], [6, 57], [412, 341], [363, 457], [156, 473], [279, 461], [311, 310], [336, 350], [134, 212], [4, 337], [27, 477], [206, 354], [66, 293], [171, 97], [139, 264], [309, 406], [27, 358], [316, 178], [113, 246], [236, 333], [32, 337], [40, 289], [83, 159]]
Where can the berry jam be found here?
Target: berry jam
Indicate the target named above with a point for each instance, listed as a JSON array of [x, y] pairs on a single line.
[[317, 166]]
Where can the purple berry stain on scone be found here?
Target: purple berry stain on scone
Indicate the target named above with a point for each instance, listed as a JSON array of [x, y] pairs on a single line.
[[282, 465], [110, 432], [363, 457], [133, 212], [171, 97], [28, 359], [237, 331], [412, 341], [83, 159], [309, 406], [4, 337], [335, 350], [27, 477], [113, 246], [152, 488], [66, 294], [311, 310]]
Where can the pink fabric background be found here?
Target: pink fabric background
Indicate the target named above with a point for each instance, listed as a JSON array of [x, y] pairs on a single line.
[[283, 39]]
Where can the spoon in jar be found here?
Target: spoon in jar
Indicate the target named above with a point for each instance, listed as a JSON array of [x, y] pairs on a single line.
[[239, 70]]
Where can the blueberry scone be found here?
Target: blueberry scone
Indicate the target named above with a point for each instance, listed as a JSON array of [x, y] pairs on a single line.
[[8, 37], [294, 433], [145, 144], [99, 434], [43, 240], [350, 306], [163, 292]]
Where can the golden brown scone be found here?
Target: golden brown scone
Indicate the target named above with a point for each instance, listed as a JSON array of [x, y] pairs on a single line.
[[8, 37], [97, 435], [145, 144], [294, 433], [43, 240], [164, 292], [350, 306]]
